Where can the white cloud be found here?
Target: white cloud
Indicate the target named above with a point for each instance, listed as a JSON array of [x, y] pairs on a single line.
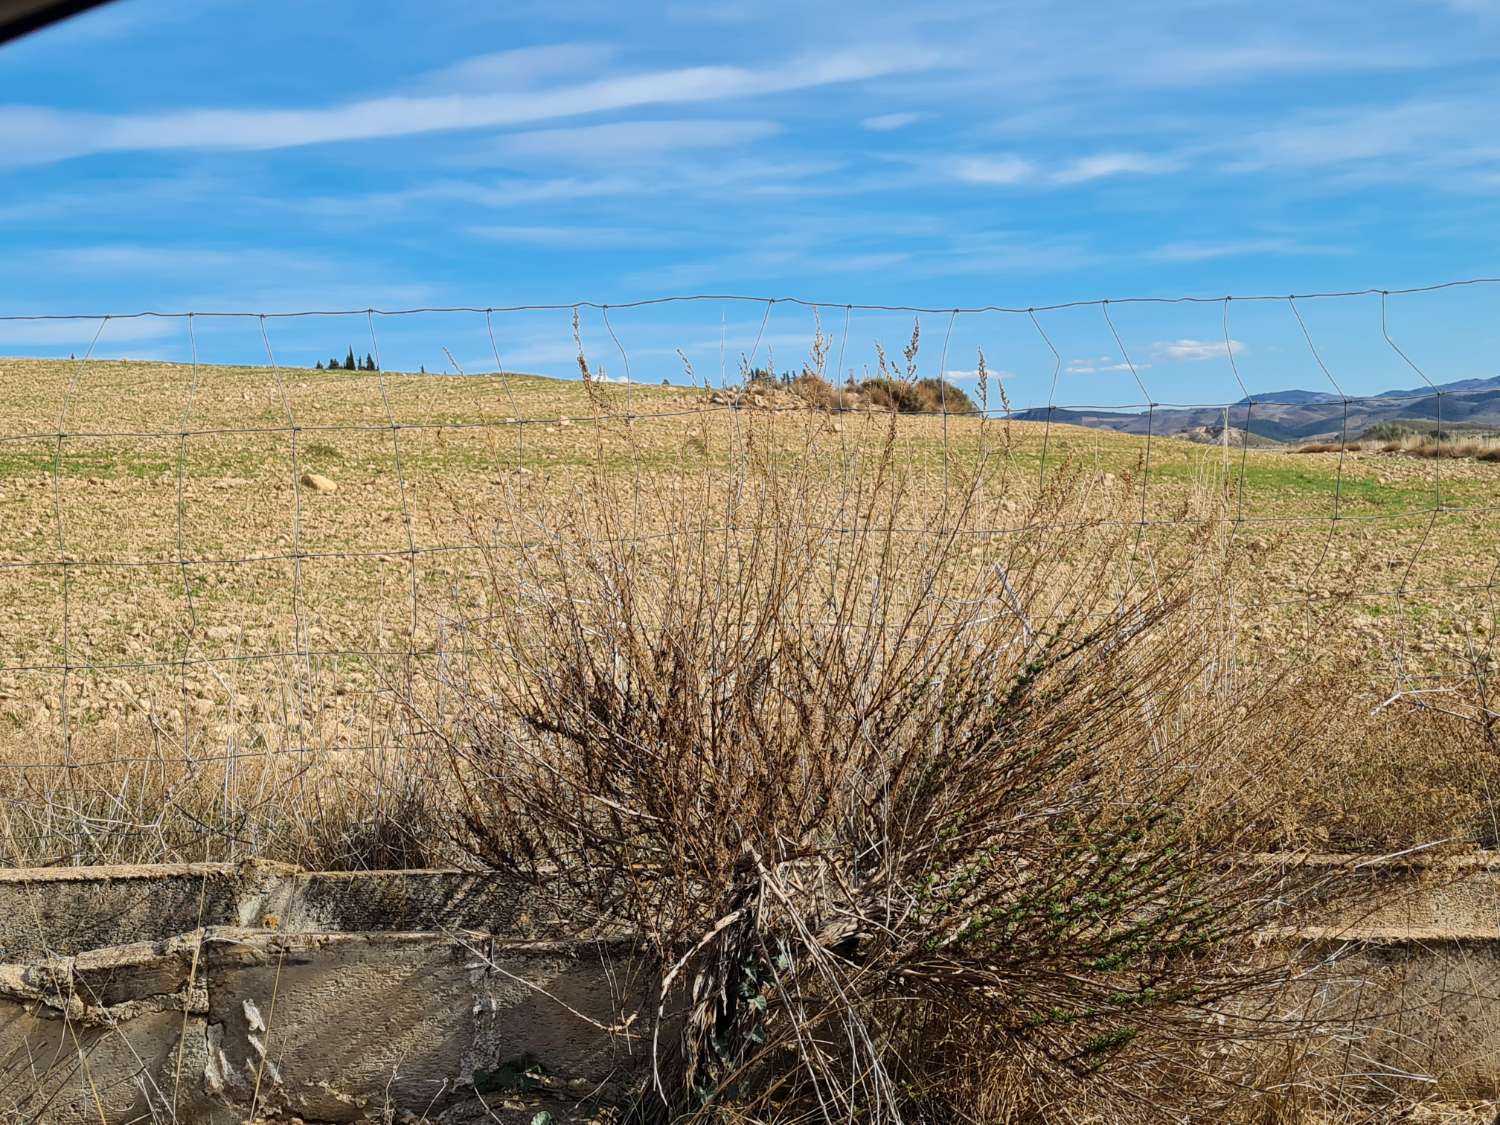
[[1105, 164], [33, 135], [566, 238], [125, 259], [1099, 367], [733, 176], [885, 122], [633, 138], [1208, 251], [212, 278], [1191, 64], [1412, 139], [521, 67], [1000, 170], [1009, 169], [77, 334], [1193, 351]]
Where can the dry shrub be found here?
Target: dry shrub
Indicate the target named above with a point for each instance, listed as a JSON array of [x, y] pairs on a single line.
[[146, 803], [907, 817], [1390, 770], [1446, 447], [919, 396], [1328, 447], [819, 393]]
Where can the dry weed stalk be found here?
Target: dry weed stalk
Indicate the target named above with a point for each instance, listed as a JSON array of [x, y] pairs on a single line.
[[907, 812]]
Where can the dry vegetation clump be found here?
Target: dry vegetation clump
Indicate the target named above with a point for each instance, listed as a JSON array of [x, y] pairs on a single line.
[[351, 810], [820, 394], [1422, 440], [911, 821], [1329, 447], [920, 396], [1423, 445], [1414, 445], [923, 779], [1380, 769]]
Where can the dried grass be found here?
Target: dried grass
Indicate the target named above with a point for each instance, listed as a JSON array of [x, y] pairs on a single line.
[[913, 822]]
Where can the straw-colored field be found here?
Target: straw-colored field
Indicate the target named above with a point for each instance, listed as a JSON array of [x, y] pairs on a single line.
[[168, 590]]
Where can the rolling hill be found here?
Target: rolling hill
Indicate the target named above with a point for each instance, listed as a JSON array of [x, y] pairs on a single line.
[[1301, 415]]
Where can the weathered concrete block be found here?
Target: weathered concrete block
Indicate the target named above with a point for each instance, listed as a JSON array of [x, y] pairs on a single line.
[[325, 1027], [212, 993]]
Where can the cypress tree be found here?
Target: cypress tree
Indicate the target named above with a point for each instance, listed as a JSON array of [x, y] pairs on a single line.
[[349, 364]]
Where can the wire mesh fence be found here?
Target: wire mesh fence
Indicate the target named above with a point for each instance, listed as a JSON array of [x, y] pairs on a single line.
[[218, 560]]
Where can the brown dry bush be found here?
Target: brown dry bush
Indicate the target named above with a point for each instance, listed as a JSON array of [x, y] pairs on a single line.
[[908, 818], [916, 396], [357, 809], [1446, 446], [1328, 447], [1385, 770], [819, 393]]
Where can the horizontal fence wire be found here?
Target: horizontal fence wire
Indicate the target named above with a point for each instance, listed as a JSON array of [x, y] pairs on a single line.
[[742, 298], [67, 558]]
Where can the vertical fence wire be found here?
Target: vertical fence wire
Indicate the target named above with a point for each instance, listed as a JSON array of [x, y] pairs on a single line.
[[192, 743]]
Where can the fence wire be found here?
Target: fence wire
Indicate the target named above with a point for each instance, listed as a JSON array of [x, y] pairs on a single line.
[[57, 617]]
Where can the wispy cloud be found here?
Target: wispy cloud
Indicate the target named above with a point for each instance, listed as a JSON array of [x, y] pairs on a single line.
[[78, 333], [627, 139], [1195, 351], [732, 177], [1105, 164], [128, 258], [1402, 140], [32, 135], [997, 170], [521, 67], [182, 277], [1474, 7], [568, 238], [1010, 169], [1195, 63], [886, 122], [1208, 251], [1100, 366]]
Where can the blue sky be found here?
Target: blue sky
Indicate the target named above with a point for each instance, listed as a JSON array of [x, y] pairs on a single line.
[[273, 156]]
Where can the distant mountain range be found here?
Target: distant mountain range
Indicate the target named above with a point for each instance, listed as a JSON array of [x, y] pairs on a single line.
[[1298, 415]]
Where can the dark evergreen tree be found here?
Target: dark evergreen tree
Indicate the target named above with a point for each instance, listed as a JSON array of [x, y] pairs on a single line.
[[334, 364], [318, 366], [349, 364], [369, 362]]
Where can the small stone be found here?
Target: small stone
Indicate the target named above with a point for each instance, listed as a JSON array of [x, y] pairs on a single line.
[[318, 483]]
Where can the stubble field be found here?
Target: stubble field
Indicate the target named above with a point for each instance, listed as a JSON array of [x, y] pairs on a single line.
[[181, 604]]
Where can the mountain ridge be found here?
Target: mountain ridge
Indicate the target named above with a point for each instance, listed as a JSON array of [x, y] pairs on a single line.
[[1303, 415]]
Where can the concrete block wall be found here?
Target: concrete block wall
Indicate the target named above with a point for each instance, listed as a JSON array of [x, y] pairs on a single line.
[[213, 993]]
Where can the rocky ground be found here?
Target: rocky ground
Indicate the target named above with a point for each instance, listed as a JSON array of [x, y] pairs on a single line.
[[223, 560]]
